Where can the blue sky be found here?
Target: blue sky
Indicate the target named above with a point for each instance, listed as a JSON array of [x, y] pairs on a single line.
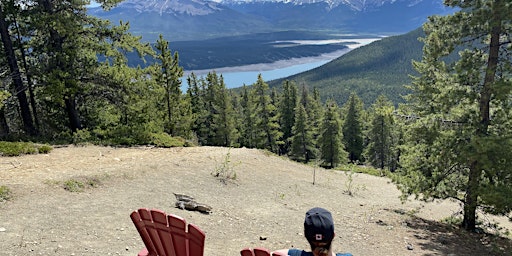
[[93, 4]]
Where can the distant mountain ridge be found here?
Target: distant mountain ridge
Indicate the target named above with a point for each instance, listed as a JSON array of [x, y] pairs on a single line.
[[180, 20], [173, 7], [356, 5]]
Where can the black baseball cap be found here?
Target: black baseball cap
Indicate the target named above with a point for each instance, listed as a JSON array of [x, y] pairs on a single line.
[[318, 225]]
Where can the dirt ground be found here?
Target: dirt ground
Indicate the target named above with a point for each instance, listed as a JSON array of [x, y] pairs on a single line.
[[264, 205]]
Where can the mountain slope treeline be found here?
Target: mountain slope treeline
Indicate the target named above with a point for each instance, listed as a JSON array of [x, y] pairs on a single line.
[[383, 67]]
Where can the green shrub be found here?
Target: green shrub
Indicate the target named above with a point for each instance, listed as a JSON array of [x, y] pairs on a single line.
[[167, 141], [5, 193], [79, 184], [82, 137], [74, 185], [225, 171], [17, 148], [45, 149], [452, 220]]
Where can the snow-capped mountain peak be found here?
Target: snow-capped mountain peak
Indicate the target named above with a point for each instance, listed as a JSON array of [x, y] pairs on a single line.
[[356, 5], [190, 7]]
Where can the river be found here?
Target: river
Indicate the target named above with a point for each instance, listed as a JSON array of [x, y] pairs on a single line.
[[238, 76]]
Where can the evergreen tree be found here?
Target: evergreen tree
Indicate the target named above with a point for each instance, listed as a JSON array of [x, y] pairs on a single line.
[[382, 138], [237, 115], [332, 152], [268, 134], [302, 143], [286, 109], [74, 57], [460, 140], [313, 106], [352, 131], [19, 87], [222, 126], [185, 116], [196, 92], [248, 131], [168, 73], [315, 115]]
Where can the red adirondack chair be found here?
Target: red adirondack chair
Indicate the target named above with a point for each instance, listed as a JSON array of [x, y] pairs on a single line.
[[167, 234], [258, 251]]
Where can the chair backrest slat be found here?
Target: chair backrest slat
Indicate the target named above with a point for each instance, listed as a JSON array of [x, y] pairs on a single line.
[[258, 251], [167, 234]]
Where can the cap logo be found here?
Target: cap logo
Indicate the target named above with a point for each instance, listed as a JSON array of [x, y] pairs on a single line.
[[318, 237]]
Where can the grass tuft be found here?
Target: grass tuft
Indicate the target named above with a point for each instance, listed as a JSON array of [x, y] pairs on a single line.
[[5, 193], [81, 183]]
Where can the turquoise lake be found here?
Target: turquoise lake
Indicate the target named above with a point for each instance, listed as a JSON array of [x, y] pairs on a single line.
[[247, 75]]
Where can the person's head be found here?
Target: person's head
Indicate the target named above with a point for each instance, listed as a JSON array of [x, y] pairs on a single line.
[[319, 230]]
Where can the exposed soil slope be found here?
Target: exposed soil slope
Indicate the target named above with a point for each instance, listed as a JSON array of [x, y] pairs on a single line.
[[264, 206]]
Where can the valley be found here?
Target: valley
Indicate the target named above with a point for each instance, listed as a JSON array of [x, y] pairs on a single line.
[[247, 74], [287, 40]]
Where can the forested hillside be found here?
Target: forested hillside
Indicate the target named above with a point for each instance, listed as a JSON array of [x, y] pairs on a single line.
[[383, 67]]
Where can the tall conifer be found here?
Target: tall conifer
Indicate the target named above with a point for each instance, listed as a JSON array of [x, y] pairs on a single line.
[[302, 143], [168, 74], [459, 139], [248, 131], [382, 135], [268, 134], [352, 129], [332, 152], [287, 106], [223, 126]]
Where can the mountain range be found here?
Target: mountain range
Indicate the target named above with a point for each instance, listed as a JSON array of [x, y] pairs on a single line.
[[180, 20]]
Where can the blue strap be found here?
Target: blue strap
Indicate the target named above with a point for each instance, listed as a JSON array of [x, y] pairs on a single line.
[[295, 252]]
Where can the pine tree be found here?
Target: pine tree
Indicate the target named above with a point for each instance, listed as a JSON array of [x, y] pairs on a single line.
[[76, 59], [459, 141], [352, 131], [332, 153], [286, 108], [302, 143], [268, 134], [196, 92], [222, 126], [168, 73], [185, 116], [12, 61], [248, 131], [314, 110], [315, 115], [382, 138]]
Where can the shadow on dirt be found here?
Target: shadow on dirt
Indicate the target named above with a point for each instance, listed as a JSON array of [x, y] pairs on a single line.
[[444, 239]]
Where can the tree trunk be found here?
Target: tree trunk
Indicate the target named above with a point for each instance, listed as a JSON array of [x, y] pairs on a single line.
[[471, 199], [472, 193], [169, 111], [4, 127], [26, 116], [29, 81], [74, 120]]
